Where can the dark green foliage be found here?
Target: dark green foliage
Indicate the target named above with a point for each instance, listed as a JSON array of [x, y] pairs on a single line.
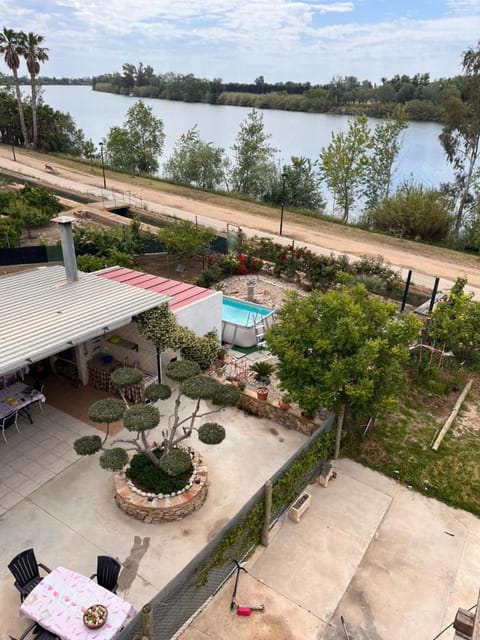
[[262, 369], [226, 395], [126, 377], [199, 349], [87, 445], [175, 462], [147, 477], [141, 417], [416, 212], [113, 459], [211, 433], [106, 410], [156, 392], [182, 369], [199, 387]]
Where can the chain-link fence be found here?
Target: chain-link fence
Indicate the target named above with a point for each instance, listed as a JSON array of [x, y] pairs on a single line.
[[173, 607]]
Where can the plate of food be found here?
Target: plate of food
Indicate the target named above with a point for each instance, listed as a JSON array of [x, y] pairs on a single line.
[[95, 616]]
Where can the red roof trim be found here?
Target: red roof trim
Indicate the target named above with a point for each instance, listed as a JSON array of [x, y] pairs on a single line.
[[181, 294]]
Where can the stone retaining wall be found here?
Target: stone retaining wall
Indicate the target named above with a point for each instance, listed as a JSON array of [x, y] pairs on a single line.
[[287, 418], [153, 510]]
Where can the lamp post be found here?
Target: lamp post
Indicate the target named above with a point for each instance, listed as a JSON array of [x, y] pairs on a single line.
[[103, 165], [284, 175]]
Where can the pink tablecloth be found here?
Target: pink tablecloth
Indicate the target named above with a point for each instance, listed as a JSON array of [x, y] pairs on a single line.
[[59, 601]]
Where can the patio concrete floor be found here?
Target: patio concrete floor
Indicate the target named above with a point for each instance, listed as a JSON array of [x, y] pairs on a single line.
[[63, 507], [394, 564]]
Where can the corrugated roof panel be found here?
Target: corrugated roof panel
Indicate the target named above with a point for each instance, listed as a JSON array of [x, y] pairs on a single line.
[[41, 313]]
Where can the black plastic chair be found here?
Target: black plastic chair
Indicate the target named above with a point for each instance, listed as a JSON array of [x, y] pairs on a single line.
[[107, 573], [38, 632], [25, 569]]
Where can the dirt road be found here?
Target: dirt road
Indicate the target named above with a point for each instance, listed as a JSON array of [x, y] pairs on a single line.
[[425, 261]]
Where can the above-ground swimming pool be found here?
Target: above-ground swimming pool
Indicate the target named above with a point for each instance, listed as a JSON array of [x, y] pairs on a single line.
[[244, 323]]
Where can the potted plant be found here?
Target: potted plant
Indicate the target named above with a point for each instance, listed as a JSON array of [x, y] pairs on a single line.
[[263, 370], [262, 393], [221, 354], [285, 402]]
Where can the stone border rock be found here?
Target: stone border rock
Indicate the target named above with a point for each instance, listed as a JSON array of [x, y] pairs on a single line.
[[167, 509]]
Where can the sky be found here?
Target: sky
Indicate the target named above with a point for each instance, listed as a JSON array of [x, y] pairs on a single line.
[[239, 40]]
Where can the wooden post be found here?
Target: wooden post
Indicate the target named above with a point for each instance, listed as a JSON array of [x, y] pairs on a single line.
[[147, 622], [476, 626], [268, 512], [451, 417]]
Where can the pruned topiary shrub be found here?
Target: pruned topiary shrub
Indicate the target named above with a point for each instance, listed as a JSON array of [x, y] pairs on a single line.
[[154, 465], [175, 462], [211, 433], [147, 477], [87, 445]]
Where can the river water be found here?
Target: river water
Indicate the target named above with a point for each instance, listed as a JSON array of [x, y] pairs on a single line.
[[293, 134]]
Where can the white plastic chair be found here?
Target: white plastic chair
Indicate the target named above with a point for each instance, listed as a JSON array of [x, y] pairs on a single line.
[[7, 421]]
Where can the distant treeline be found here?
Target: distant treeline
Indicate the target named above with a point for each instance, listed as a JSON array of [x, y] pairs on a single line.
[[8, 80], [422, 98]]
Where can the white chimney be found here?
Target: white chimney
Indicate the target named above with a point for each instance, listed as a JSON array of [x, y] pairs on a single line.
[[68, 247]]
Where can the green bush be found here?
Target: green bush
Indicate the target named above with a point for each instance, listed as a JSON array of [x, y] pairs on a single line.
[[200, 349], [156, 392], [87, 445], [180, 370], [416, 212], [107, 410], [147, 477], [113, 459], [126, 377], [211, 433], [141, 417], [175, 462]]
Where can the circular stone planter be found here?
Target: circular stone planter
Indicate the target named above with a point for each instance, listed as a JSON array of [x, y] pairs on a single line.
[[151, 508]]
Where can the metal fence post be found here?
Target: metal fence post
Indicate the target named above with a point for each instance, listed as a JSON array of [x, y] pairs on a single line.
[[268, 512], [147, 622]]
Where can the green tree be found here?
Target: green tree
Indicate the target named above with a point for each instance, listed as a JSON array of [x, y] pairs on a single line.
[[385, 147], [414, 211], [302, 185], [344, 163], [460, 135], [34, 54], [140, 419], [455, 323], [195, 162], [89, 151], [137, 145], [185, 239], [253, 171], [11, 47], [342, 350]]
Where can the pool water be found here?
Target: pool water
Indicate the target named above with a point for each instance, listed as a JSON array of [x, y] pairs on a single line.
[[245, 314]]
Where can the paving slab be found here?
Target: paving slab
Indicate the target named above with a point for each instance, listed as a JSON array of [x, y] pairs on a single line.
[[394, 564], [282, 619], [72, 517]]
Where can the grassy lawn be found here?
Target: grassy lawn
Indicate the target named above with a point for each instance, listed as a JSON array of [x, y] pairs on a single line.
[[400, 447]]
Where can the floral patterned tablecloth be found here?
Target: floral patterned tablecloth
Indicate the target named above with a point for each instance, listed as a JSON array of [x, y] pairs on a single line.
[[18, 396], [60, 600]]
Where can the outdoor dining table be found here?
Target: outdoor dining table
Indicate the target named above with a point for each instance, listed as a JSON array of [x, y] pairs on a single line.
[[17, 397], [59, 601]]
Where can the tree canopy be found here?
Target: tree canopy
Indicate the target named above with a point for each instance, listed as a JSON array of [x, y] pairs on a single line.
[[342, 350]]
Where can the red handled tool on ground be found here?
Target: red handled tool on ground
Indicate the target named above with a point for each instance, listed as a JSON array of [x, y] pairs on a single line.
[[242, 610]]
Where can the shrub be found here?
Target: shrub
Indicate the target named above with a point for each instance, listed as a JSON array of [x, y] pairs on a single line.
[[181, 370], [262, 369], [113, 459], [87, 445], [141, 417], [126, 377], [156, 392], [175, 462], [107, 410], [147, 477], [211, 433], [200, 349], [416, 212]]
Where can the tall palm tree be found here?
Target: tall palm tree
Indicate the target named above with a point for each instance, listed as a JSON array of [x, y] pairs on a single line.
[[11, 48], [34, 54]]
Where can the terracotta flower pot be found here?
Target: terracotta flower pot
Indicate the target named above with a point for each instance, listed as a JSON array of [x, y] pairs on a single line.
[[284, 405], [262, 393]]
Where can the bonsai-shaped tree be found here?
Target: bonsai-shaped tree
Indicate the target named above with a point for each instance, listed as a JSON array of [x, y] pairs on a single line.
[[139, 419]]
